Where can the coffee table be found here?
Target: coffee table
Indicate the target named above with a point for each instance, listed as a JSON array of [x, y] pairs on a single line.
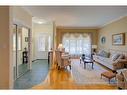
[[87, 61]]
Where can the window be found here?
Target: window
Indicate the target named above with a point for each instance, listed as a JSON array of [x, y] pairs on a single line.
[[41, 43], [44, 42], [77, 45]]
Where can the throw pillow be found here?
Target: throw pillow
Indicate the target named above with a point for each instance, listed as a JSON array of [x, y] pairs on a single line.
[[106, 54], [103, 53], [99, 52], [115, 57]]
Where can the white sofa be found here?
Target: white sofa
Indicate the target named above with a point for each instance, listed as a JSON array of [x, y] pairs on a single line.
[[108, 62]]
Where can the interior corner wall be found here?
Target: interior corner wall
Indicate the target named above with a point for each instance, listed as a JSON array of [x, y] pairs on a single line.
[[61, 31], [119, 26], [4, 47]]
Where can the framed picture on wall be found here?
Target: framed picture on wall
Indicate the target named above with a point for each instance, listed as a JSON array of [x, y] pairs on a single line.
[[103, 40], [118, 39], [26, 39]]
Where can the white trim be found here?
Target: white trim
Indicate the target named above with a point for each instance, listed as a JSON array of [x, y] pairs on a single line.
[[114, 20], [75, 27], [21, 23]]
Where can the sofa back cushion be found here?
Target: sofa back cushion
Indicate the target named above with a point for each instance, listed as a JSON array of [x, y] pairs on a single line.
[[103, 53], [113, 51]]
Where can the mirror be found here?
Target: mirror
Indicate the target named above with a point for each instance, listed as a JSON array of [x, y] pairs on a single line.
[[20, 50]]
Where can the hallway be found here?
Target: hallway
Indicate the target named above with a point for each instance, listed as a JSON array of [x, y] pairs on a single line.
[[38, 74]]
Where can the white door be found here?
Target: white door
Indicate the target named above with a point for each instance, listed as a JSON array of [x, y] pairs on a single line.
[[42, 45]]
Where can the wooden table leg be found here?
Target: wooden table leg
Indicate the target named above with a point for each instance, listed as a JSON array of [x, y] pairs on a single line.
[[80, 60], [101, 76], [109, 80], [92, 65], [84, 65]]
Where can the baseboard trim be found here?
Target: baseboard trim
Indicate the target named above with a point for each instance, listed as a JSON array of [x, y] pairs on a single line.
[[38, 59]]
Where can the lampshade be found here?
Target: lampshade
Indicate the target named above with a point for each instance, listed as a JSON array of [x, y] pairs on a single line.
[[60, 46], [94, 46]]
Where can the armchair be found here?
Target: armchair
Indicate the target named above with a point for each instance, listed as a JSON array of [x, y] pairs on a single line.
[[122, 79], [62, 59]]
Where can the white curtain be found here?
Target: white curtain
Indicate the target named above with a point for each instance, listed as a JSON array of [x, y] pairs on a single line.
[[77, 44]]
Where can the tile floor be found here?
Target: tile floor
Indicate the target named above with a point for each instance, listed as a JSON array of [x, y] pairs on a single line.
[[38, 74]]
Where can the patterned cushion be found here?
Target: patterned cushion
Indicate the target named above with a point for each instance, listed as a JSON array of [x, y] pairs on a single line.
[[103, 54], [106, 54], [115, 56]]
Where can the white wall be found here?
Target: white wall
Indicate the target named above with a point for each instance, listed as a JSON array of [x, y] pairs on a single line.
[[25, 32]]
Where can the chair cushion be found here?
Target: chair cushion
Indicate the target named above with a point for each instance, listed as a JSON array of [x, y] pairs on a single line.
[[108, 74]]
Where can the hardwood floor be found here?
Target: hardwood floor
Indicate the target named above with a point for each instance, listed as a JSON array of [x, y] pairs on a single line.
[[63, 79]]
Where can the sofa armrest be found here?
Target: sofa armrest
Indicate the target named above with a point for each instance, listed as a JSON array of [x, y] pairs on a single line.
[[118, 65], [120, 77]]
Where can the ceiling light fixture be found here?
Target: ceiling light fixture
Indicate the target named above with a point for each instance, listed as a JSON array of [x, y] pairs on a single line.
[[39, 22]]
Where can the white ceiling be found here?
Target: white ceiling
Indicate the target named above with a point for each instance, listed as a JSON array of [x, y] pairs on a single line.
[[78, 16]]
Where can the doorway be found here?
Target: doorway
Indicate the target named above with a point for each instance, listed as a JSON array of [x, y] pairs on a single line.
[[21, 49], [42, 36], [42, 45]]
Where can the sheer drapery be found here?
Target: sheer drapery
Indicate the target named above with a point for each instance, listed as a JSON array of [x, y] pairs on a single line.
[[77, 43]]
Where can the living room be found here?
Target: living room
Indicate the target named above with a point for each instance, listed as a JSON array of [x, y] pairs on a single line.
[[75, 33]]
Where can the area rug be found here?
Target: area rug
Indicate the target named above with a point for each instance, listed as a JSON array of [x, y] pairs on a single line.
[[88, 75]]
